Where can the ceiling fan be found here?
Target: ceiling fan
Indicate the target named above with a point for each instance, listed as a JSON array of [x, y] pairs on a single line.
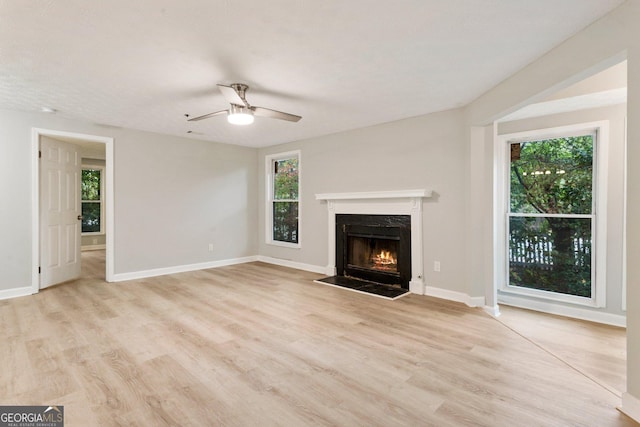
[[241, 112]]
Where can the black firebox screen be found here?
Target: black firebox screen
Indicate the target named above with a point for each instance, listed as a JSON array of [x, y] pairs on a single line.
[[376, 248], [373, 253]]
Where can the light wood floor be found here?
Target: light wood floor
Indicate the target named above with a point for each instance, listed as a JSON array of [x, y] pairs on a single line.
[[596, 350], [256, 344]]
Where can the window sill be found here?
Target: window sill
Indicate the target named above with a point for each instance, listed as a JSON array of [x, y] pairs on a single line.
[[550, 297], [93, 233], [284, 244]]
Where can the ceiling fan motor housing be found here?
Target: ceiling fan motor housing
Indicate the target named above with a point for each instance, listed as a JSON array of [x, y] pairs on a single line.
[[240, 89]]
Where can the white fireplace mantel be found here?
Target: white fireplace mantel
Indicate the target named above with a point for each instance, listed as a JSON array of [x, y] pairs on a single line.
[[402, 202], [375, 195]]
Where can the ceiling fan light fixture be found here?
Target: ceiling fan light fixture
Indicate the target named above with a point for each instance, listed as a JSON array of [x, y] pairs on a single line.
[[240, 115]]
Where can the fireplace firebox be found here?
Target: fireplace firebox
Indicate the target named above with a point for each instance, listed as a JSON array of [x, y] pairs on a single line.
[[374, 247]]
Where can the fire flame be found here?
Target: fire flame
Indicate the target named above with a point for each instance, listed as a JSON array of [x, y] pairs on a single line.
[[385, 258]]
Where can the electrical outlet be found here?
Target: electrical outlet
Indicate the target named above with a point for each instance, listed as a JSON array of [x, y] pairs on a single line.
[[210, 247], [436, 265]]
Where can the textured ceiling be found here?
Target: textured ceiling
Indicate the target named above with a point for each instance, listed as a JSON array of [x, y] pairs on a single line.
[[340, 64]]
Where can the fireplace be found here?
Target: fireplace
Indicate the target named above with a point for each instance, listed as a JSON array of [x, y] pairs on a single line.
[[400, 203], [374, 247]]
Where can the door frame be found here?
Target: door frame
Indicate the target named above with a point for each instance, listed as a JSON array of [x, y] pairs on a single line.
[[36, 133]]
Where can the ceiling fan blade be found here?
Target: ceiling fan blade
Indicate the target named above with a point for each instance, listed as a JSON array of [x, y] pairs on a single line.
[[273, 114], [231, 95], [206, 116]]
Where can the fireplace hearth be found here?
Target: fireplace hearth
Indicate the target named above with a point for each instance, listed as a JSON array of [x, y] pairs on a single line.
[[376, 248]]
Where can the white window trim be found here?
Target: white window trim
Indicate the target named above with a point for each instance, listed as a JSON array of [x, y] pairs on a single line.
[[269, 159], [101, 201], [601, 156]]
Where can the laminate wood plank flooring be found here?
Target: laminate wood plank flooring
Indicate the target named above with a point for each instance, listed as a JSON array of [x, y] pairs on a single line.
[[597, 350], [257, 344]]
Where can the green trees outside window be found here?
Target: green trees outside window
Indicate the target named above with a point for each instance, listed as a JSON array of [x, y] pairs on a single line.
[[285, 200], [551, 215], [91, 200]]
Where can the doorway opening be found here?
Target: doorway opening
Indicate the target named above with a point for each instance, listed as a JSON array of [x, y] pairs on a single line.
[[56, 200]]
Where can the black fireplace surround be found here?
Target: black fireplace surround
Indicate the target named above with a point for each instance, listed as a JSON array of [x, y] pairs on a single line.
[[374, 247]]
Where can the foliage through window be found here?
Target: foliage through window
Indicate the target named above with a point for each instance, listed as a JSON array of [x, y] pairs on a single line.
[[91, 200], [551, 215], [284, 200]]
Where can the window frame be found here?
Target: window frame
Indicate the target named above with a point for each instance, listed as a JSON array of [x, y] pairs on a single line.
[[270, 159], [600, 131], [101, 201]]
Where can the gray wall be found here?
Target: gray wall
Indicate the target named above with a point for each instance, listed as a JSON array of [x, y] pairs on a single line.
[[422, 152], [15, 209], [173, 196]]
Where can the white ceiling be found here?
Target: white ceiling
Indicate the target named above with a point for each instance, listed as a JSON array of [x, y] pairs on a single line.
[[341, 64], [573, 103], [608, 87]]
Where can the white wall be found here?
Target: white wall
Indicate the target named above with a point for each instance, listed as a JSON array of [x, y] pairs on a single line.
[[173, 196], [421, 152]]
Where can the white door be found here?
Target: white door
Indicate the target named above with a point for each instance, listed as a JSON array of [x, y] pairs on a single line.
[[60, 214]]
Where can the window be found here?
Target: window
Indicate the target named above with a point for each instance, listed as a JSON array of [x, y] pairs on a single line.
[[92, 200], [283, 207], [552, 197]]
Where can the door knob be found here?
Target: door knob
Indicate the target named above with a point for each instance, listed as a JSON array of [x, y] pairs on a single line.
[[79, 217]]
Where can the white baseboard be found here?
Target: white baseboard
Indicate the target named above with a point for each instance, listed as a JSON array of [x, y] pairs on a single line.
[[563, 310], [630, 406], [143, 274], [292, 264], [93, 247], [493, 311], [454, 296], [16, 292], [120, 277]]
